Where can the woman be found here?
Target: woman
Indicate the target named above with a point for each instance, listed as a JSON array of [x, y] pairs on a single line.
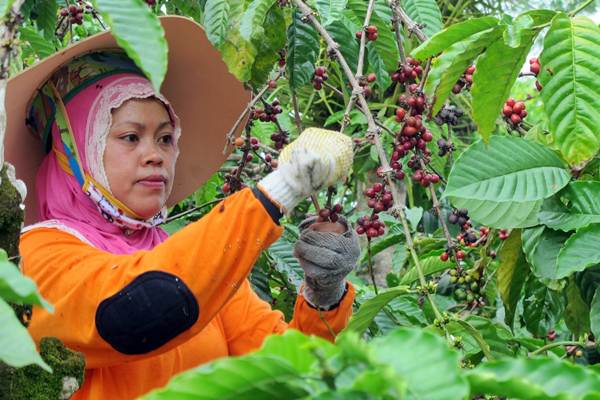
[[140, 306]]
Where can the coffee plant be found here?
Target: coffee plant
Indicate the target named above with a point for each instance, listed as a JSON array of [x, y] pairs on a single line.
[[475, 188]]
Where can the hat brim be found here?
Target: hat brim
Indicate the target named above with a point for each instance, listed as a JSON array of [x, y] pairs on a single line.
[[205, 96]]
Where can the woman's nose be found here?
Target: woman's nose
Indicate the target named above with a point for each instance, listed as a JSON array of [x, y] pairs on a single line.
[[152, 154]]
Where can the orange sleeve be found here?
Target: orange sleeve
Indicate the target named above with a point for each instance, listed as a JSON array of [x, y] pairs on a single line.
[[248, 320], [212, 256]]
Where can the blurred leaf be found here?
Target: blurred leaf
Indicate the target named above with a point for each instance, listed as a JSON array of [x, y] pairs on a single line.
[[577, 313], [40, 45], [217, 13], [18, 288], [143, 40], [330, 10], [418, 356], [17, 349], [542, 307], [252, 21]]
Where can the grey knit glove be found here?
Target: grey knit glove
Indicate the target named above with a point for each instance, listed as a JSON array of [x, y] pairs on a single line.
[[326, 258]]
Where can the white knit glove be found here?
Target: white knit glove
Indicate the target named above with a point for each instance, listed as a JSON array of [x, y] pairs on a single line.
[[316, 159]]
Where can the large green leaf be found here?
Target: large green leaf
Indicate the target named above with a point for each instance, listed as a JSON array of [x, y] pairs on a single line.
[[452, 63], [542, 307], [250, 377], [424, 360], [543, 251], [16, 347], [512, 273], [581, 207], [46, 12], [216, 16], [251, 24], [376, 63], [425, 12], [303, 49], [505, 214], [17, 288], [330, 10], [453, 34], [139, 32], [360, 321], [497, 70], [570, 72], [577, 312], [508, 169], [579, 252], [239, 55], [533, 378]]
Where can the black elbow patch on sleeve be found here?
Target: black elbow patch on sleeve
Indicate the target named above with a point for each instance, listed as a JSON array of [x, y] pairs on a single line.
[[147, 313], [271, 208]]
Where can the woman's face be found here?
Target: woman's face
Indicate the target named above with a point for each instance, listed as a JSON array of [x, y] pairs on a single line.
[[140, 155]]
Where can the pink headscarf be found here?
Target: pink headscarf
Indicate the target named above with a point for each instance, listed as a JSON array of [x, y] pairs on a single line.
[[62, 202]]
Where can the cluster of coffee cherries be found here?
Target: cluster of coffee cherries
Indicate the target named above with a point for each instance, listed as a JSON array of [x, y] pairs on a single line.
[[330, 214], [445, 147], [503, 234], [370, 225], [467, 285], [449, 114], [280, 139], [269, 113], [535, 68], [151, 3], [74, 12], [415, 100], [408, 72], [380, 199], [371, 31], [319, 76], [514, 111], [465, 81]]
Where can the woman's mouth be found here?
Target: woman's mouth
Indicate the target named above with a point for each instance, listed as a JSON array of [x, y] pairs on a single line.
[[153, 182]]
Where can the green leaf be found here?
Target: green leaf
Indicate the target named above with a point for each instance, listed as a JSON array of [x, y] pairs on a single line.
[[502, 215], [512, 273], [17, 288], [140, 34], [250, 377], [46, 11], [303, 49], [496, 72], [424, 360], [267, 47], [508, 169], [577, 312], [40, 45], [251, 24], [283, 254], [543, 256], [16, 346], [377, 64], [330, 10], [579, 252], [581, 207], [542, 307], [595, 313], [340, 32], [239, 55], [533, 378], [587, 281], [378, 246], [208, 191], [485, 348], [570, 93], [216, 16], [360, 321], [453, 34], [424, 12], [449, 67], [429, 265], [296, 348]]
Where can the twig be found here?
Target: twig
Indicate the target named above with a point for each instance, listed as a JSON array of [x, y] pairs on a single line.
[[411, 26], [297, 117], [397, 27], [191, 210], [231, 133], [555, 344], [370, 264]]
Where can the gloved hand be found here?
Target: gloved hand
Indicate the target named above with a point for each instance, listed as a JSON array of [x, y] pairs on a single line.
[[326, 258], [316, 159]]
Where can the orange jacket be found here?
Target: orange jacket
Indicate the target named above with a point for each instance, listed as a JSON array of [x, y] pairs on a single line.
[[212, 256]]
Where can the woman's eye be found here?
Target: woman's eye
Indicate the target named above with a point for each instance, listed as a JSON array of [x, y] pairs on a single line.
[[132, 137], [166, 139]]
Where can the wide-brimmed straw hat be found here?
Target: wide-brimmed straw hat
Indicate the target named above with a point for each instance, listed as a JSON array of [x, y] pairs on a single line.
[[205, 96]]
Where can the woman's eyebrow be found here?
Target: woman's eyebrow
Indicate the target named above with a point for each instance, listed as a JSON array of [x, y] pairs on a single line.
[[142, 126]]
